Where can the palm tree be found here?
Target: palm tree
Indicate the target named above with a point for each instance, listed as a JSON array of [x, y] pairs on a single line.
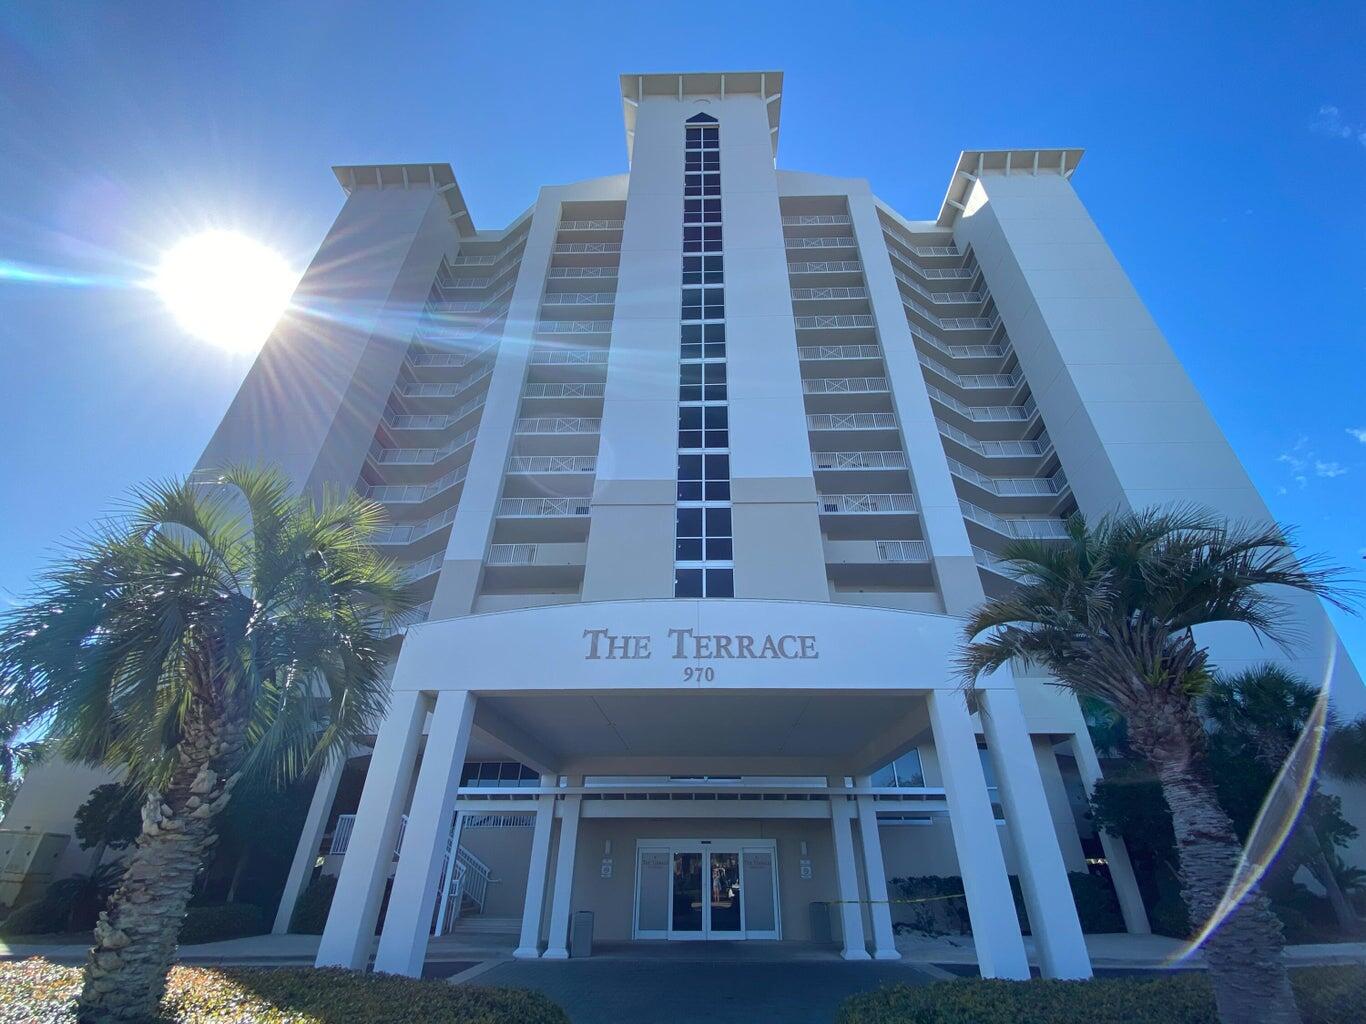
[[1259, 715], [1110, 612], [207, 633]]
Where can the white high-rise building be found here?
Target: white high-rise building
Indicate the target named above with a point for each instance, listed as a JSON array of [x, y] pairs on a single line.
[[696, 468]]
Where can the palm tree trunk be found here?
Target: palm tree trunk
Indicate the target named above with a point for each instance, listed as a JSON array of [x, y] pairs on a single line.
[[1250, 982], [137, 937], [1323, 873]]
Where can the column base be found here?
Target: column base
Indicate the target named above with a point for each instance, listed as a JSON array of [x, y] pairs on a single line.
[[526, 953], [555, 954], [887, 954], [855, 954]]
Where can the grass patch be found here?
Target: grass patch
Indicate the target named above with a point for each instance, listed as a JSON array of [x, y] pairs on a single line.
[[37, 991], [1326, 995]]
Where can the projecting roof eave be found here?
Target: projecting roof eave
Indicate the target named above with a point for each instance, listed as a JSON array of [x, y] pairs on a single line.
[[973, 163], [768, 85], [436, 176]]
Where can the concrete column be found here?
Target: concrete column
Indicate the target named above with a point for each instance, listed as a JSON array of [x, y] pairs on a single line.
[[408, 924], [995, 931], [846, 877], [557, 947], [1116, 854], [529, 946], [884, 938], [306, 853], [1043, 876], [360, 887]]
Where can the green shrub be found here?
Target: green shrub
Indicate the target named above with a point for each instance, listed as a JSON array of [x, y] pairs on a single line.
[[226, 921], [1326, 995], [45, 991], [933, 905], [310, 913], [1097, 905], [41, 917]]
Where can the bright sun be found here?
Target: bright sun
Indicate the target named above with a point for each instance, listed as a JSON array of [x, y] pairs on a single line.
[[225, 288]]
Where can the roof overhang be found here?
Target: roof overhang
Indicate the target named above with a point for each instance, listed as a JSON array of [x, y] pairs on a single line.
[[434, 176], [973, 163], [767, 85]]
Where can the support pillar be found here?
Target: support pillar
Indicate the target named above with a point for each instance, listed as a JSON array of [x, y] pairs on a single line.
[[306, 853], [880, 911], [846, 877], [350, 925], [995, 930], [1043, 876], [529, 946], [1116, 854], [557, 943], [408, 923]]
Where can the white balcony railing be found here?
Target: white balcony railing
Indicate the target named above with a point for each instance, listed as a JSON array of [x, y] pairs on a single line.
[[997, 449], [591, 225], [406, 533], [826, 267], [420, 570], [991, 560], [406, 494], [574, 327], [984, 413], [816, 353], [845, 321], [552, 463], [1021, 528], [843, 385], [960, 351], [582, 272], [422, 456], [971, 380], [902, 551], [851, 421], [578, 298], [810, 294], [581, 389], [575, 247], [569, 357], [511, 554], [858, 460], [1010, 486], [865, 504], [801, 219], [543, 508], [559, 425], [416, 390], [831, 242]]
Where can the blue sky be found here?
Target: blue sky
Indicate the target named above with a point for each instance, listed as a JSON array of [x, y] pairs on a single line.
[[1226, 164]]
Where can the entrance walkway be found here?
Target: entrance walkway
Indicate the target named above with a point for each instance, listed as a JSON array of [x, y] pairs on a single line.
[[672, 990]]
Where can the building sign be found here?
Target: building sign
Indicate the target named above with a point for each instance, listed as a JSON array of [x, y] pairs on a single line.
[[690, 645]]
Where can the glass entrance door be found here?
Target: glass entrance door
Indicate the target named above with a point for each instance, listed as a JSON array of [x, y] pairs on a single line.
[[706, 889]]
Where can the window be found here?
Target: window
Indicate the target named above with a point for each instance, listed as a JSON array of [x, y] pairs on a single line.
[[703, 542]]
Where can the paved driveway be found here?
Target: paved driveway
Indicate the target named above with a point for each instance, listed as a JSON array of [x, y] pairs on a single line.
[[716, 992]]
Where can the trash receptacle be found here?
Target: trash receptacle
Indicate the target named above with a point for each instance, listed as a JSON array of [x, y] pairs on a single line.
[[820, 923], [581, 934]]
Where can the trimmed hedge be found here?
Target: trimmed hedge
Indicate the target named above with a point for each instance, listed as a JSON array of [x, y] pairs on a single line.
[[1326, 995], [200, 995], [225, 921], [310, 912], [41, 917]]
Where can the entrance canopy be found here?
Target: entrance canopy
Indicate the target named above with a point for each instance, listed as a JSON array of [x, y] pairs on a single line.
[[706, 687]]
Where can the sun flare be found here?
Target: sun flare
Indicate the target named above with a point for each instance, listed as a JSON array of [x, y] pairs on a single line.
[[225, 288]]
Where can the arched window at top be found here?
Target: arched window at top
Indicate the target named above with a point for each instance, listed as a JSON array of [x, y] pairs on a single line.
[[702, 119]]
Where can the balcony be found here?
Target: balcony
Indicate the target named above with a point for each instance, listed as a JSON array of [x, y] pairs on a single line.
[[541, 520], [878, 562], [866, 516], [1022, 493], [804, 219], [827, 271], [865, 359], [1016, 529], [985, 414], [846, 394], [410, 533], [972, 381], [569, 357], [1029, 452], [526, 566], [550, 475], [586, 254], [415, 494], [952, 323], [991, 352], [421, 456], [576, 398], [447, 390], [603, 299], [821, 242], [591, 225], [574, 327], [557, 273], [428, 567], [875, 470], [536, 425], [973, 298], [489, 259]]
